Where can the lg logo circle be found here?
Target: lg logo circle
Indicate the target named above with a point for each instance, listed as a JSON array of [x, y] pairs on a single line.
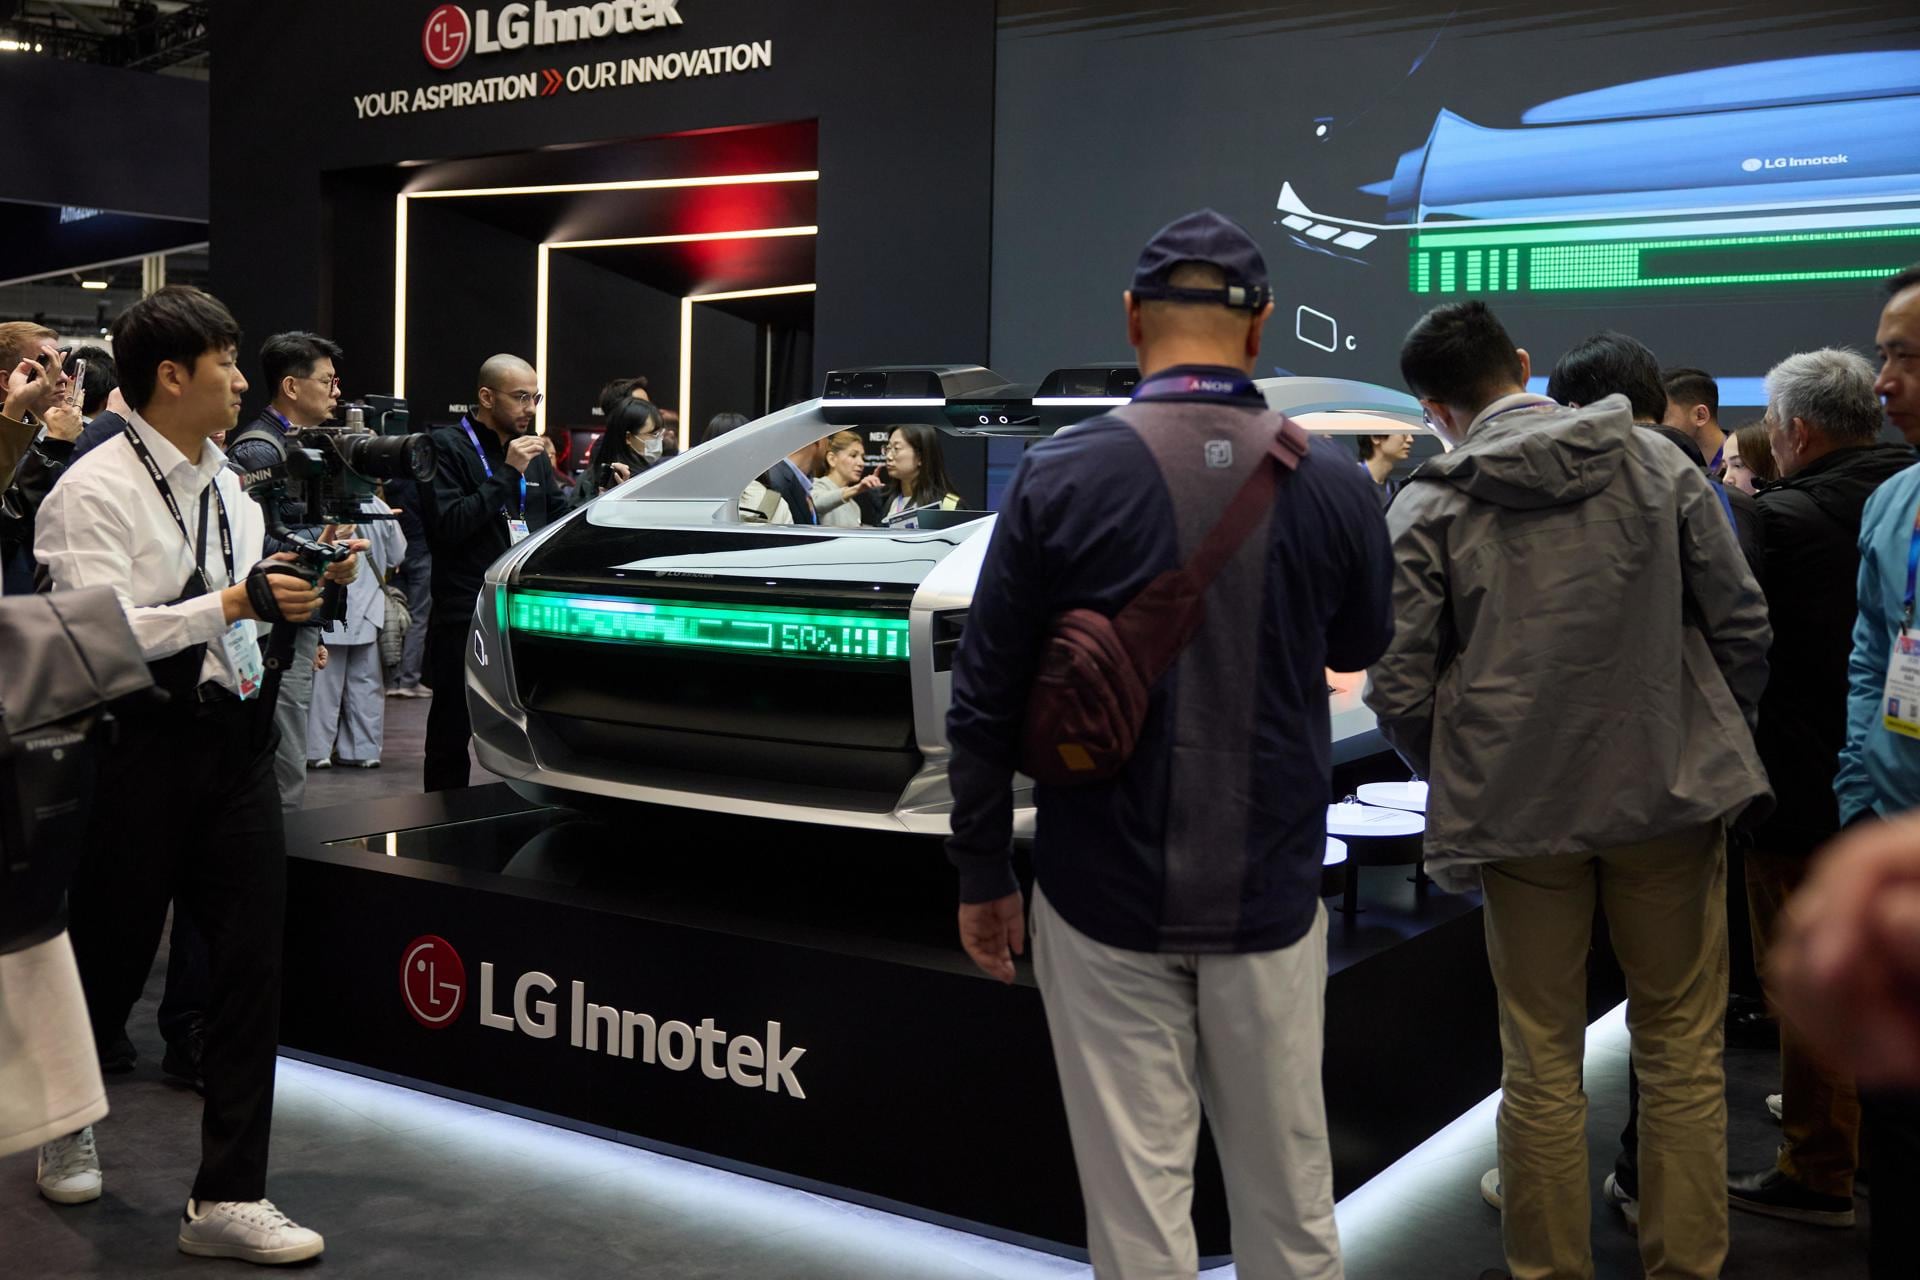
[[447, 37], [1751, 166], [433, 982]]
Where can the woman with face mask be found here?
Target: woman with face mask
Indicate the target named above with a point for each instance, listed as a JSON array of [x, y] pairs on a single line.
[[834, 491], [629, 444]]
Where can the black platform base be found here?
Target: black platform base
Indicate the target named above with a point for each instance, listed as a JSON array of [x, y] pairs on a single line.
[[792, 1002]]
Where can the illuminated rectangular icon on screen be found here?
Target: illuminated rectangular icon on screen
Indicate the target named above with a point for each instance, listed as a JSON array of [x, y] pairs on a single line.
[[1316, 329]]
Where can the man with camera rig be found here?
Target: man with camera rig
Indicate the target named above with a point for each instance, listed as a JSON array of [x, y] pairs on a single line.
[[300, 373], [188, 810], [495, 485]]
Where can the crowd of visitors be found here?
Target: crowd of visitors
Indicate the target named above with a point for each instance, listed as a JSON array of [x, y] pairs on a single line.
[[1651, 669]]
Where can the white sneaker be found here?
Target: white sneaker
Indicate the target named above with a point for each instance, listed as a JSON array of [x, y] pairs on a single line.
[[251, 1230], [1628, 1206], [1773, 1105], [1490, 1188], [69, 1170]]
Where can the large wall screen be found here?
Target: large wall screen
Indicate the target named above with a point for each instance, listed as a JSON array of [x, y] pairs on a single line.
[[1728, 184]]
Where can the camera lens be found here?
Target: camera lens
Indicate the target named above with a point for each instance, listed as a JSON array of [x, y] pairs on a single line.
[[389, 457]]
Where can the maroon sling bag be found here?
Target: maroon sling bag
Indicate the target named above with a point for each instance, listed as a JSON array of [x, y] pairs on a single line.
[[1089, 697]]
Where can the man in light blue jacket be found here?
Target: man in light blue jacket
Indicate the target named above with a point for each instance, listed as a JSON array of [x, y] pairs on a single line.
[[1879, 773]]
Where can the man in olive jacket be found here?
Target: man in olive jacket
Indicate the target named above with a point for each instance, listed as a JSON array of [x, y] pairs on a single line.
[[1578, 655]]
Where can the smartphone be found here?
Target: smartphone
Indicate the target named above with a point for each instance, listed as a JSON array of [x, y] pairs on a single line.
[[77, 393]]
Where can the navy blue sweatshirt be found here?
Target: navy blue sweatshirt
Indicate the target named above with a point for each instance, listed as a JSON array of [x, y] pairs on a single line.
[[1212, 837]]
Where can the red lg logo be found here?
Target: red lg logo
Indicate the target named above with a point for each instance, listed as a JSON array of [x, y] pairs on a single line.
[[448, 35], [433, 981]]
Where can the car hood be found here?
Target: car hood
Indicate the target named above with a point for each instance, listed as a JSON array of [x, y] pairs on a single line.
[[768, 563]]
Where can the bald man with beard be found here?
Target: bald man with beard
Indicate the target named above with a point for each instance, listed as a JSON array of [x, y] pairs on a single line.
[[495, 485]]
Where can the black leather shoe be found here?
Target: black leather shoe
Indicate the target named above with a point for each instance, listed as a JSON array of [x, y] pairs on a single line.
[[1775, 1195], [182, 1060], [118, 1055]]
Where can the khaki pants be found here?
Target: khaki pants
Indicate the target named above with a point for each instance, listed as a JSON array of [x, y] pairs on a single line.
[[1142, 1040], [1819, 1108], [1665, 903]]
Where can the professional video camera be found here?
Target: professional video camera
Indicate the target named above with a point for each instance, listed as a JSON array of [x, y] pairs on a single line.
[[325, 475]]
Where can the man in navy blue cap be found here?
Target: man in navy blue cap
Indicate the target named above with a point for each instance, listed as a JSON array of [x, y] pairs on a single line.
[[1179, 939]]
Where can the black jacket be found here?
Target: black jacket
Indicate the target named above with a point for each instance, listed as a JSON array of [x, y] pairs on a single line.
[[1811, 525], [782, 480], [43, 463], [467, 518]]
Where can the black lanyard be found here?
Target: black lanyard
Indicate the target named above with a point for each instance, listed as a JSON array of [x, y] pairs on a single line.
[[1235, 386], [198, 547]]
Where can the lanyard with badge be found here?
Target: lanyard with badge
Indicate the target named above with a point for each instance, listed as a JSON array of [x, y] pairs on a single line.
[[516, 525], [243, 652], [1902, 697]]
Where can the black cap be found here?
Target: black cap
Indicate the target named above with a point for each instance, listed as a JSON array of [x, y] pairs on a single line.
[[1211, 238]]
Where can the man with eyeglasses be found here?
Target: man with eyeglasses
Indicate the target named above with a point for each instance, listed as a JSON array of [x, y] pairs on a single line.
[[494, 486], [301, 376]]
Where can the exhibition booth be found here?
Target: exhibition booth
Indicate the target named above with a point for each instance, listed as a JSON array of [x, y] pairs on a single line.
[[671, 917]]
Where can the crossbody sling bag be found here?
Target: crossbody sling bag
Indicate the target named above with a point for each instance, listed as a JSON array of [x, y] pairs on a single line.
[[1089, 697]]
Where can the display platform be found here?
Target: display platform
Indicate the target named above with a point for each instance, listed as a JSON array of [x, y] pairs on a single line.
[[790, 1001]]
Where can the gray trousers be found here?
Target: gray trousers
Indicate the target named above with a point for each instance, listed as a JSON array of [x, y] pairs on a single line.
[[1143, 1040], [415, 576], [290, 714], [349, 714]]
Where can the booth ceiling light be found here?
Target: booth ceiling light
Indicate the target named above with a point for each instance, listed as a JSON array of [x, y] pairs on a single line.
[[696, 237], [686, 341], [637, 184], [93, 284], [775, 632], [563, 188]]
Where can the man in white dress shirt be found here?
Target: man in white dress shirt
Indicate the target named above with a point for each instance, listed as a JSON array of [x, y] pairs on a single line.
[[189, 811]]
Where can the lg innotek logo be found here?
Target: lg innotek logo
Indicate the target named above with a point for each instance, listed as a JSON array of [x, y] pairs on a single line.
[[448, 36], [1757, 164], [433, 981], [452, 33]]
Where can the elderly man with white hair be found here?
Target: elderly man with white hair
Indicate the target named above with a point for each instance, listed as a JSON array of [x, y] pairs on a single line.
[[1824, 424]]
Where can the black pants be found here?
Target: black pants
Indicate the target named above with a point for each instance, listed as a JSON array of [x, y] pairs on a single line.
[[189, 974], [1890, 1125], [448, 727], [189, 811]]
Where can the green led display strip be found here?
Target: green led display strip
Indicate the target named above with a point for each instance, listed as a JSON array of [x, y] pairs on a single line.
[[778, 632], [1528, 260]]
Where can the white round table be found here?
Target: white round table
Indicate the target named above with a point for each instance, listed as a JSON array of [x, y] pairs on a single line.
[[1336, 852], [1371, 820], [1411, 796]]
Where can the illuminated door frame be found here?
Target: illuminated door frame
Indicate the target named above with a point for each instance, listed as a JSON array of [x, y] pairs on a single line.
[[402, 198], [686, 340], [686, 311]]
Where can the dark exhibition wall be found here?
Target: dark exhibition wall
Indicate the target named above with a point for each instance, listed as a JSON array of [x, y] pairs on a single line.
[[890, 105], [1729, 183], [106, 165], [1726, 184]]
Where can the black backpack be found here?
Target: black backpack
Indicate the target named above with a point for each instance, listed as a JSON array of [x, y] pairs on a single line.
[[68, 658]]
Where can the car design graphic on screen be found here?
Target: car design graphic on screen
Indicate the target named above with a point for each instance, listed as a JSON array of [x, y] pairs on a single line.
[[1781, 173], [656, 646]]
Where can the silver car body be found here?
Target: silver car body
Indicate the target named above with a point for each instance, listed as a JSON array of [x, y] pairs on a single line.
[[700, 490]]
